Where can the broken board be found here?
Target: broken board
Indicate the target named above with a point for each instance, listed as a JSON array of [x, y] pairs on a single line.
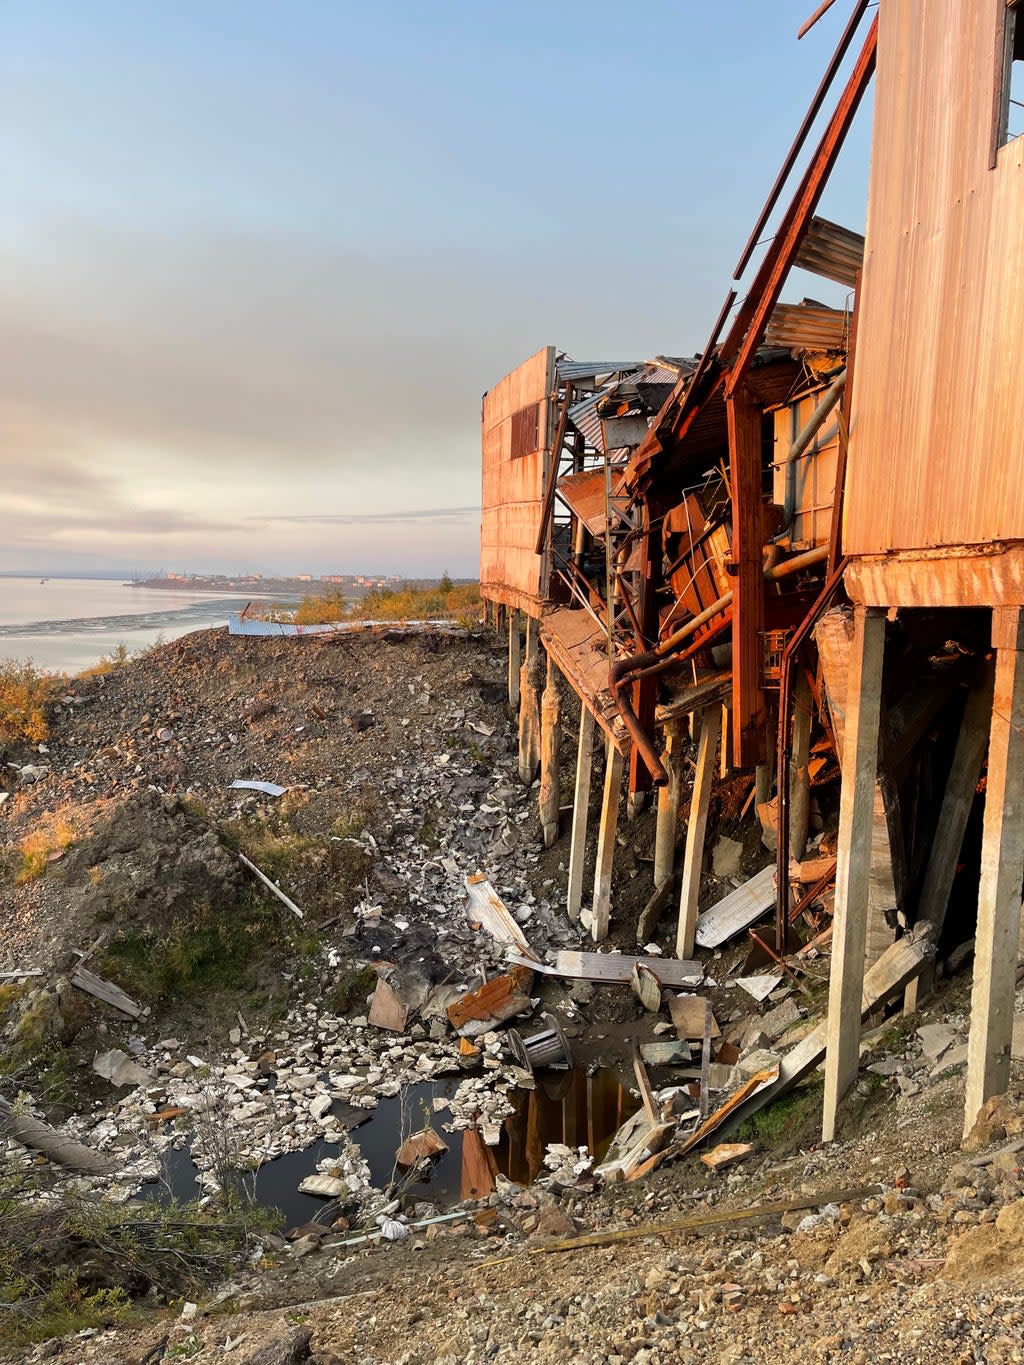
[[106, 991], [493, 1000], [737, 911], [617, 968], [687, 1013], [387, 1011], [487, 909]]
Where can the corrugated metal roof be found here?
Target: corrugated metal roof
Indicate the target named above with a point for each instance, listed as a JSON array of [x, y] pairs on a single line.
[[805, 327], [590, 369], [832, 251]]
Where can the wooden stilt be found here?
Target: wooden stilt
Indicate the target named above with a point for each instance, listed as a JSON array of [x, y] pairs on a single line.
[[856, 814], [668, 810], [529, 705], [799, 780], [606, 843], [700, 801], [725, 750], [550, 746], [1002, 857], [515, 656], [952, 822], [580, 810]]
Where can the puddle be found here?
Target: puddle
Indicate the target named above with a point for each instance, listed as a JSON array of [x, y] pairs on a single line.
[[569, 1107]]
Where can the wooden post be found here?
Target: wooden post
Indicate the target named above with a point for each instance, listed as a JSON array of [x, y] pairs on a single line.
[[725, 750], [957, 801], [1002, 857], [550, 746], [606, 842], [580, 811], [515, 656], [799, 779], [693, 860], [529, 705], [744, 414], [668, 810], [853, 871]]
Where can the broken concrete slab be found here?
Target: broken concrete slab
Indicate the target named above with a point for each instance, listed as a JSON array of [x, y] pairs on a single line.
[[936, 1039], [776, 1021], [323, 1186], [118, 1068], [666, 1054]]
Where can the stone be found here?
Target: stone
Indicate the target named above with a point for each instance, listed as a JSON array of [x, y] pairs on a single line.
[[285, 1348], [324, 1186], [118, 1068], [936, 1039], [727, 858]]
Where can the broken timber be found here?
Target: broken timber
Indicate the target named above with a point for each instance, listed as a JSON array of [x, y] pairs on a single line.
[[41, 1137], [271, 886], [487, 909], [735, 912], [700, 801], [615, 969], [106, 991]]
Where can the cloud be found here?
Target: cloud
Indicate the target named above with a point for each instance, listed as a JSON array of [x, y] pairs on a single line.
[[427, 514]]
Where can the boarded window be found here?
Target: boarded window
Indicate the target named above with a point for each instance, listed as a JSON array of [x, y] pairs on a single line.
[[526, 431], [1011, 104]]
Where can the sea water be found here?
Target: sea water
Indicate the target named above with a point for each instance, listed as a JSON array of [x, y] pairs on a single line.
[[67, 624]]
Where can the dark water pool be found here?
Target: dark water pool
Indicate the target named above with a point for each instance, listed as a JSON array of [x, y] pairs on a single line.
[[569, 1107]]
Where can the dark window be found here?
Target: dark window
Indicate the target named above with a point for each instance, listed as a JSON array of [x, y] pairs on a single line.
[[1011, 105], [525, 430]]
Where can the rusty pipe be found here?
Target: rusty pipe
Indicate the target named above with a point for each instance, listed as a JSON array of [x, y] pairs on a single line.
[[622, 668]]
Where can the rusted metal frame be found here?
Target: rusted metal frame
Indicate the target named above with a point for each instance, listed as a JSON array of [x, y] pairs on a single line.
[[778, 959], [552, 484], [789, 654], [809, 897], [747, 568], [645, 690], [798, 142], [627, 604], [747, 329], [667, 661], [819, 13]]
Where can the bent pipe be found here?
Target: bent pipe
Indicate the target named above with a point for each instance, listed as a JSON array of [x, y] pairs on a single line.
[[622, 669]]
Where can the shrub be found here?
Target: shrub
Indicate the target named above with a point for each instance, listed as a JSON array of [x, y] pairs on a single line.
[[51, 836], [26, 696], [447, 601], [117, 658]]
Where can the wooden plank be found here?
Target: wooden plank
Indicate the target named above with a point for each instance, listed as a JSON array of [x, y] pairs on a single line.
[[487, 909], [601, 911], [21, 975], [667, 822], [550, 748], [644, 1084], [705, 1061], [738, 910], [617, 968], [653, 911], [580, 811], [688, 1015], [957, 802], [696, 826], [1002, 856], [271, 886], [387, 1011], [856, 813], [744, 417], [493, 1000], [106, 991]]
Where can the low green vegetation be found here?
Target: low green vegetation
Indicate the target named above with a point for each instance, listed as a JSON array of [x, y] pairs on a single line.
[[69, 1261], [26, 698]]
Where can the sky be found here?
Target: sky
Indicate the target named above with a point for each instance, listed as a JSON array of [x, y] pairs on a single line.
[[259, 261]]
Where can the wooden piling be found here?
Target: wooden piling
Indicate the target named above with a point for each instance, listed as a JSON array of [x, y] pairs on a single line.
[[853, 870], [606, 842], [668, 810], [530, 680], [515, 656], [799, 777], [1002, 856], [550, 747], [700, 801], [580, 811]]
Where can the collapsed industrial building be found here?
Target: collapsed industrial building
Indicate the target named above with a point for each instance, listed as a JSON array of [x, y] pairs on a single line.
[[802, 548]]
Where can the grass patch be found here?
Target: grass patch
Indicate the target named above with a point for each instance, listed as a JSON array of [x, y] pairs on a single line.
[[351, 991], [108, 663], [787, 1120], [52, 836], [447, 601], [209, 949]]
